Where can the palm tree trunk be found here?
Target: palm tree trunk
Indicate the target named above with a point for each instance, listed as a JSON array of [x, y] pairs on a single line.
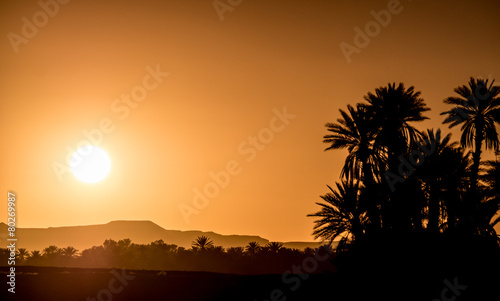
[[393, 209], [372, 205], [476, 156], [474, 198]]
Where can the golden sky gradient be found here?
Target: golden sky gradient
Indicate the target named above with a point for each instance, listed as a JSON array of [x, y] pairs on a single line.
[[226, 79]]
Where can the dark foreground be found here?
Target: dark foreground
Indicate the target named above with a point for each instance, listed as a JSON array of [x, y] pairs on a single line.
[[45, 283]]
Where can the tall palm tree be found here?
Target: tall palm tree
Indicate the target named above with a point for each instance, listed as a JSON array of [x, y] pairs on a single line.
[[202, 243], [477, 109], [252, 248], [356, 132], [456, 162], [395, 109], [435, 167], [340, 214]]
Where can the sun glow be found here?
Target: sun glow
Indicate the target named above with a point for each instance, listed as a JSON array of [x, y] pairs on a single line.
[[90, 164]]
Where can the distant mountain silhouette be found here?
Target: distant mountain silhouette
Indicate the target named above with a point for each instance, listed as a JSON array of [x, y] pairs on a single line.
[[140, 232]]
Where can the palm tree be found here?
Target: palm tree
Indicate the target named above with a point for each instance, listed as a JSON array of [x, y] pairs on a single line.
[[34, 257], [477, 109], [235, 251], [22, 254], [202, 243], [69, 252], [217, 250], [435, 167], [35, 254], [340, 214], [252, 248], [356, 131], [394, 109], [455, 183], [51, 251], [274, 247]]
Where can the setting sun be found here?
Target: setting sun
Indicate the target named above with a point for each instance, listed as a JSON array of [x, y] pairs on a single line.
[[90, 164]]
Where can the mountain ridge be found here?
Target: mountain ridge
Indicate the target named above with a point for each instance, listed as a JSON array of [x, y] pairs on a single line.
[[138, 231]]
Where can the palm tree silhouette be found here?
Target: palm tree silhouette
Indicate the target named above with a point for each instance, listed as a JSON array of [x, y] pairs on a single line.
[[51, 251], [69, 252], [340, 214], [22, 254], [34, 257], [477, 109], [274, 247], [434, 169], [356, 132], [235, 251], [252, 248], [454, 166], [217, 249], [35, 254], [202, 243], [394, 109]]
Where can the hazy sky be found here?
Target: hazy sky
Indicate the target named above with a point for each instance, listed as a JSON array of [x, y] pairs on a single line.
[[230, 69]]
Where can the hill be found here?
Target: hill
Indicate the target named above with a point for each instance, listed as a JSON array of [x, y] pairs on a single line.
[[140, 232]]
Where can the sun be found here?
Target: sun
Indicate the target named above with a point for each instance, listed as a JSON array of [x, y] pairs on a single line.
[[90, 164]]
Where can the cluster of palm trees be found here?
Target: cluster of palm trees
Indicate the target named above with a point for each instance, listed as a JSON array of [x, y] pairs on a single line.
[[49, 255], [205, 244], [203, 255], [397, 179]]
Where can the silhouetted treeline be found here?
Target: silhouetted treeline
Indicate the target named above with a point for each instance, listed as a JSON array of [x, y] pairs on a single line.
[[414, 197], [158, 255]]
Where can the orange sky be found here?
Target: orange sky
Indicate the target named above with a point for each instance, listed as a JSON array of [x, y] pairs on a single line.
[[225, 79]]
